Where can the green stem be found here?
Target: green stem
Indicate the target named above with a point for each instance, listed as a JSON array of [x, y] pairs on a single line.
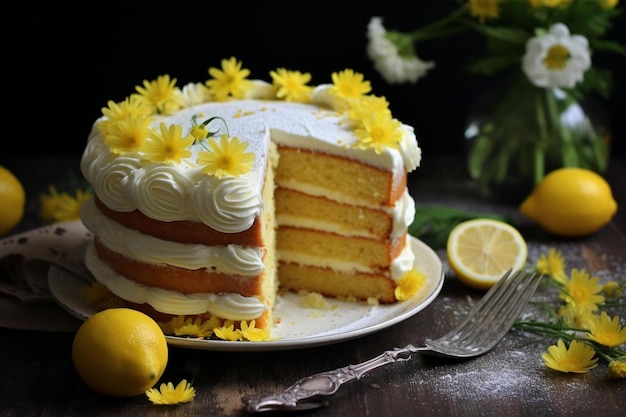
[[599, 150], [539, 160], [208, 121], [420, 36], [568, 148], [548, 329], [599, 153], [502, 166], [569, 334], [423, 32]]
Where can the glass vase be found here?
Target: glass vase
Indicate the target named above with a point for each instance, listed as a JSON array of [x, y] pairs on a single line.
[[516, 133]]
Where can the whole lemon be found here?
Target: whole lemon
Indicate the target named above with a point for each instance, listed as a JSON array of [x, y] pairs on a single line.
[[571, 202], [120, 352], [12, 201]]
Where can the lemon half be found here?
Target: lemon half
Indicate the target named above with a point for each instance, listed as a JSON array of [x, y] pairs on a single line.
[[480, 251]]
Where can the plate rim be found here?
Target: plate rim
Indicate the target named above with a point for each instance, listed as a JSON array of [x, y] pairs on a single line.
[[55, 273]]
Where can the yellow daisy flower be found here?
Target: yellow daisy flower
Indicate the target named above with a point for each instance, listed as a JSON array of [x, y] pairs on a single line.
[[48, 203], [607, 331], [359, 109], [252, 333], [228, 157], [186, 326], [131, 107], [230, 81], [581, 289], [168, 395], [62, 207], [228, 333], [348, 85], [553, 265], [608, 4], [379, 131], [161, 95], [553, 3], [409, 284], [485, 9], [167, 145], [128, 134], [195, 328], [578, 358], [575, 315], [292, 85]]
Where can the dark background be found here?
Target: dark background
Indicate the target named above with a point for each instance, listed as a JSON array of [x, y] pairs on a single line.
[[66, 60]]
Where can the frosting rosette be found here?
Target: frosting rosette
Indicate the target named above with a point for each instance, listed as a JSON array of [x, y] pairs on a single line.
[[110, 183], [161, 191], [228, 205]]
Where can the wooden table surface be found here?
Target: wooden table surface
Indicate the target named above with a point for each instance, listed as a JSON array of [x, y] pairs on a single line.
[[38, 378]]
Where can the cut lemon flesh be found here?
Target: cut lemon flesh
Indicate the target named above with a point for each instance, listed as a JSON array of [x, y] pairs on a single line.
[[480, 251]]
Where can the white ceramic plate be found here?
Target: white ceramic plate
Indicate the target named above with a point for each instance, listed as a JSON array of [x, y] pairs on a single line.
[[300, 326]]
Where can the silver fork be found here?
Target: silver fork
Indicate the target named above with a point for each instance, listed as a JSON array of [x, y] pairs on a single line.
[[483, 327]]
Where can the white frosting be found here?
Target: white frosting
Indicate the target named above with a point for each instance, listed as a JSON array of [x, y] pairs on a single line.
[[403, 214], [228, 205], [182, 192], [230, 259], [229, 306], [403, 263], [411, 154]]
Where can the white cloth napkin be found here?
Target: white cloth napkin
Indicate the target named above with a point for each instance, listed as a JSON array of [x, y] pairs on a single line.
[[25, 258]]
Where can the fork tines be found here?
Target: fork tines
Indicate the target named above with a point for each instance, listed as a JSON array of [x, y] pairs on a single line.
[[498, 309]]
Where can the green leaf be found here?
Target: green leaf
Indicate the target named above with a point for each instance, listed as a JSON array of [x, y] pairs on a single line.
[[433, 224], [511, 35], [492, 64], [598, 80], [607, 46]]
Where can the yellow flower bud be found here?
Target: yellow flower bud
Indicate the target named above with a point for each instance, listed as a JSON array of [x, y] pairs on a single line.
[[617, 369], [199, 132], [612, 289]]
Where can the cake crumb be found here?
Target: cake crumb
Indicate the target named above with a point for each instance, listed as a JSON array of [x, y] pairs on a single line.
[[372, 301], [314, 300]]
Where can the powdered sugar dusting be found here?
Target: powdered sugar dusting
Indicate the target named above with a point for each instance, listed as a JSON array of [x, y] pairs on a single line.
[[485, 378], [513, 374]]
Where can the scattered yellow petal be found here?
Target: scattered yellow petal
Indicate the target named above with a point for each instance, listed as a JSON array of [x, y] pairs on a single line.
[[168, 395]]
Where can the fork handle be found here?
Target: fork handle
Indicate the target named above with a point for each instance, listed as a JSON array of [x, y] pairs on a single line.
[[304, 394]]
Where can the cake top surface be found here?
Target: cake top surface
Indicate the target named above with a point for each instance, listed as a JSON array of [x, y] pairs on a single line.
[[165, 144]]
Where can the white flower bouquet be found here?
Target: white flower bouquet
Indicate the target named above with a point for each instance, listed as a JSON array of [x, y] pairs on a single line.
[[538, 120]]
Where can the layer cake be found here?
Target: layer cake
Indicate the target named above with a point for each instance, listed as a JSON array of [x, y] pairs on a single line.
[[207, 203]]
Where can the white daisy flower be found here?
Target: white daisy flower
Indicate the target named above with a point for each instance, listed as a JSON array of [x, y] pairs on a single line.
[[556, 59], [394, 68]]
